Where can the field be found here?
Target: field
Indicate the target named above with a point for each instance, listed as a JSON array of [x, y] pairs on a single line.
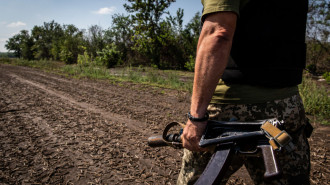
[[61, 130]]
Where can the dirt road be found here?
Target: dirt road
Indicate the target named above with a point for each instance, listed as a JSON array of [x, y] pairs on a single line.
[[57, 130]]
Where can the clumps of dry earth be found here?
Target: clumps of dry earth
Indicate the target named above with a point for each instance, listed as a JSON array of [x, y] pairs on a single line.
[[57, 130]]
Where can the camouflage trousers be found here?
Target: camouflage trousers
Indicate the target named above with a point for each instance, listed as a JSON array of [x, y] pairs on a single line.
[[295, 165]]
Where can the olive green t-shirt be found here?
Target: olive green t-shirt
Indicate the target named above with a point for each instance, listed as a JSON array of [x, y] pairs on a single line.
[[239, 93]]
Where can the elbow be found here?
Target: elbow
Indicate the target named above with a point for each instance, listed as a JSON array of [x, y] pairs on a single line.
[[218, 34], [222, 36], [220, 27]]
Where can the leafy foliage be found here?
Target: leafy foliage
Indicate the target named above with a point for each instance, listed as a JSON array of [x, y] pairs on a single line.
[[316, 100], [147, 19], [21, 44], [84, 60], [71, 44], [109, 56], [326, 76], [7, 55], [120, 34], [318, 32], [149, 36]]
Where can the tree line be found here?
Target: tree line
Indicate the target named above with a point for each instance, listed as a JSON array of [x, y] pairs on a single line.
[[149, 36]]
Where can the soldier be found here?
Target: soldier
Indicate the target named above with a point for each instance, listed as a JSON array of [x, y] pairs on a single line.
[[250, 58]]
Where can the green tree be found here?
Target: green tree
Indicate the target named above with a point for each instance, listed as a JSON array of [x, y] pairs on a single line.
[[147, 17], [190, 36], [14, 44], [109, 56], [47, 38], [26, 45], [180, 47], [21, 44], [120, 34], [71, 42], [172, 50], [318, 32], [95, 40]]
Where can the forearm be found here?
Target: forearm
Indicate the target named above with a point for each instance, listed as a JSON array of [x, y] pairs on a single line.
[[212, 55]]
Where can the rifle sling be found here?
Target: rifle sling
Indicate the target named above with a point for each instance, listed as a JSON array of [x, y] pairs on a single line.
[[165, 133], [217, 166], [277, 137]]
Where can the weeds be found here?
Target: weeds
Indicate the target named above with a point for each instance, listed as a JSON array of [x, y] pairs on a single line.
[[154, 77], [316, 100], [41, 64]]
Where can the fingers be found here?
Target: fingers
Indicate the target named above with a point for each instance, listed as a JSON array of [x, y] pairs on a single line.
[[192, 134], [191, 144]]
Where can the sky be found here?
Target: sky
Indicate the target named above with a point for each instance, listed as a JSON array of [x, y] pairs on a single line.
[[17, 15]]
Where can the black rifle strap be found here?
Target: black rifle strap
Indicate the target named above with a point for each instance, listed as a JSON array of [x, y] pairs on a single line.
[[165, 133], [217, 166]]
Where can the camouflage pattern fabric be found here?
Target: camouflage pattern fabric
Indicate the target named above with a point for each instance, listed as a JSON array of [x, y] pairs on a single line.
[[295, 165]]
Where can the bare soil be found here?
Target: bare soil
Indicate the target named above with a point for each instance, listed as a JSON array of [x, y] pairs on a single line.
[[59, 130]]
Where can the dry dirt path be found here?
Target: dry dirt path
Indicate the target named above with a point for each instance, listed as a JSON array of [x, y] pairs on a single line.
[[56, 130]]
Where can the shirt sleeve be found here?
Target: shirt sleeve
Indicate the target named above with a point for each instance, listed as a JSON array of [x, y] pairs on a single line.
[[212, 6]]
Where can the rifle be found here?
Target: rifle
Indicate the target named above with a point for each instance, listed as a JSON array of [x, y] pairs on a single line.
[[251, 139]]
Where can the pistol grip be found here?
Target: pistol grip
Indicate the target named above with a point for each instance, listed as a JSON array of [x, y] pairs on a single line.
[[272, 169]]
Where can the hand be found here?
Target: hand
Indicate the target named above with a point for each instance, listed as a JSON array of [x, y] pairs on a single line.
[[192, 134]]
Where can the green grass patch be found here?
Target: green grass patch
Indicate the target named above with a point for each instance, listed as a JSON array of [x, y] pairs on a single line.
[[148, 76], [79, 71], [41, 64], [316, 100], [326, 76], [145, 75], [160, 78]]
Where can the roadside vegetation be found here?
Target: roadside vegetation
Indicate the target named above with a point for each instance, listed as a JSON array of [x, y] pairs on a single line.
[[171, 79], [316, 100], [148, 35]]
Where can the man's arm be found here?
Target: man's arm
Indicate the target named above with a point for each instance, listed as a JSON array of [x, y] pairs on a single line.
[[212, 56]]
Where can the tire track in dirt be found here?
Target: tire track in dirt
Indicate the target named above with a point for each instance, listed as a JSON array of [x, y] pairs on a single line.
[[133, 124], [150, 167], [155, 166], [77, 164], [95, 85], [56, 130], [120, 99]]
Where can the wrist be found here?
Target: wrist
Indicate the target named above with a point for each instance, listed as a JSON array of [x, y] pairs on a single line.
[[203, 118]]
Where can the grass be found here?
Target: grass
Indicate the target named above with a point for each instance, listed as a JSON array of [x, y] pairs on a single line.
[[160, 78], [316, 100], [145, 75], [41, 64], [86, 72], [316, 97], [148, 76]]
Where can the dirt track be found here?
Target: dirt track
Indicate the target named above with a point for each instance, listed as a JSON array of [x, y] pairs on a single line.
[[56, 130]]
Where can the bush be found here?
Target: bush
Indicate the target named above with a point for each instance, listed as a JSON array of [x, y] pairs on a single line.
[[67, 57], [311, 68], [84, 60], [190, 65], [109, 56], [316, 100], [326, 76]]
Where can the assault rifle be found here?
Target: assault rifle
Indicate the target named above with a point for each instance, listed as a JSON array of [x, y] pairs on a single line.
[[250, 139]]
